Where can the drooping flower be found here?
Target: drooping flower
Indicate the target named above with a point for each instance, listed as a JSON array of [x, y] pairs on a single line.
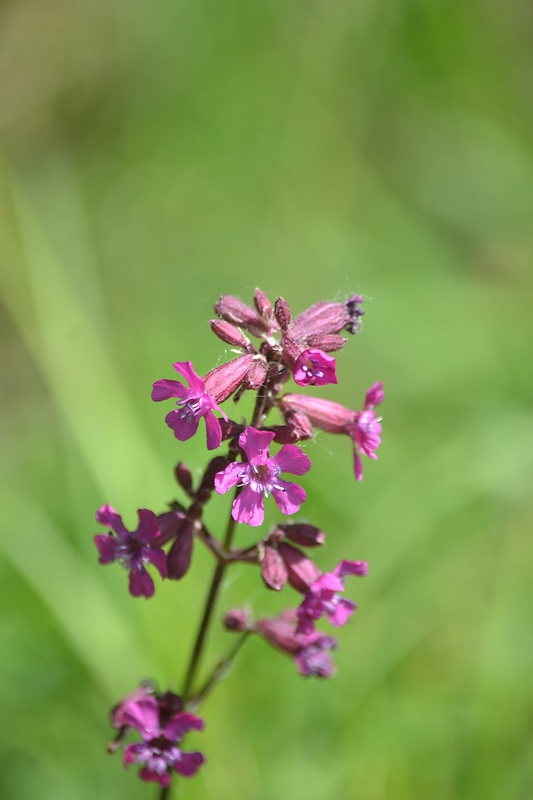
[[310, 650], [193, 404], [259, 477], [162, 724], [363, 427], [323, 597], [132, 549], [313, 367]]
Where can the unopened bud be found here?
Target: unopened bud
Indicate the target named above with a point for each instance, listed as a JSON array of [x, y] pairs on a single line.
[[263, 304], [282, 312], [328, 342], [179, 555], [183, 476], [303, 534], [255, 377], [238, 620], [238, 313], [229, 333], [273, 569]]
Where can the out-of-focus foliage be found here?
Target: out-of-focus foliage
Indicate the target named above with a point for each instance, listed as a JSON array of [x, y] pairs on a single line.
[[157, 155]]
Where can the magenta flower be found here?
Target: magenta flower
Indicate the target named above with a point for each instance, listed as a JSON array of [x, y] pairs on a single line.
[[363, 427], [132, 549], [313, 367], [259, 477], [193, 404], [162, 725], [323, 597], [310, 650]]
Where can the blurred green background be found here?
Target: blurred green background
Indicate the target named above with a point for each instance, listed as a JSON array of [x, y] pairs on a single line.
[[157, 155]]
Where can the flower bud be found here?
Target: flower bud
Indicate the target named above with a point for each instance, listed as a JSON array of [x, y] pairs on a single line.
[[238, 313], [262, 304], [303, 534], [170, 524], [183, 476], [273, 569], [238, 620], [282, 312], [229, 333], [255, 377], [179, 555]]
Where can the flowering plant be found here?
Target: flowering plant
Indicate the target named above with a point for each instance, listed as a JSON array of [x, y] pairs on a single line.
[[287, 348]]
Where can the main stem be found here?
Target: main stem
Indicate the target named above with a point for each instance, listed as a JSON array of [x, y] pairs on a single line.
[[216, 581]]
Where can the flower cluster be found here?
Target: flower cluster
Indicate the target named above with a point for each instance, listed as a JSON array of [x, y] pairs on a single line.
[[271, 347]]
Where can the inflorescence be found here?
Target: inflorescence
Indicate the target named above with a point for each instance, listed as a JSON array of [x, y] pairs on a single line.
[[286, 348]]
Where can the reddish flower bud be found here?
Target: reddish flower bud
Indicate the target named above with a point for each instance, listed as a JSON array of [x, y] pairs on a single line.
[[238, 620], [222, 381], [302, 573], [229, 333], [262, 304], [183, 476], [255, 377], [170, 524], [303, 534], [273, 569], [179, 555], [282, 312], [238, 313]]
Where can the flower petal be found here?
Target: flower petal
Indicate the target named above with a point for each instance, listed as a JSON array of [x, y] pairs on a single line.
[[288, 496], [106, 515], [186, 369], [147, 529], [183, 425], [213, 432], [341, 613], [182, 724], [189, 764], [291, 459], [107, 546], [255, 444], [230, 476], [165, 389], [157, 557], [140, 583], [248, 507]]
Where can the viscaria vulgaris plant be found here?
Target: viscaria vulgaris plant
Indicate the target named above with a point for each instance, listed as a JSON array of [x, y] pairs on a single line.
[[253, 462]]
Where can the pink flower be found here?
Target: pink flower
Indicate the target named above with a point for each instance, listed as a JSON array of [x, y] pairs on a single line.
[[363, 427], [259, 477], [313, 367], [161, 724], [132, 549], [323, 597], [193, 404]]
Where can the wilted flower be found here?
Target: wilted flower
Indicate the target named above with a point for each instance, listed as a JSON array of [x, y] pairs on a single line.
[[310, 650]]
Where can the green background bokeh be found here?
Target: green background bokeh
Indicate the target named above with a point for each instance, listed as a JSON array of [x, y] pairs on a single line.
[[157, 155]]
